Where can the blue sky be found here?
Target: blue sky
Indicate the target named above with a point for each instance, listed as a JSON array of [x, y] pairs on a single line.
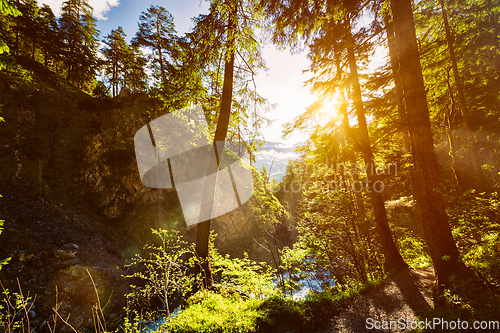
[[127, 14], [281, 85]]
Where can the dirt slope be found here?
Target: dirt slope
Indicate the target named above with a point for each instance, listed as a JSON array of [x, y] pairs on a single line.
[[405, 295]]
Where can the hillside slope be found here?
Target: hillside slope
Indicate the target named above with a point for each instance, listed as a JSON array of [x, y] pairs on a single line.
[[73, 199]]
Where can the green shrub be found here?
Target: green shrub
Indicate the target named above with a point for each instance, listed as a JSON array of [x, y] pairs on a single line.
[[209, 312], [248, 276], [166, 273], [414, 251]]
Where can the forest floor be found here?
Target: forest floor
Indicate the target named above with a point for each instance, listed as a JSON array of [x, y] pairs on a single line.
[[57, 245], [403, 296]]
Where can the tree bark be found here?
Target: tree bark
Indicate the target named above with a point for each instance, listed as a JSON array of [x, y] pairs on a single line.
[[430, 203], [203, 228], [360, 205], [455, 168], [160, 54], [398, 86], [480, 181], [393, 260]]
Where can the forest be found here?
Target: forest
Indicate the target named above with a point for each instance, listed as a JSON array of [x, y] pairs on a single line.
[[389, 220]]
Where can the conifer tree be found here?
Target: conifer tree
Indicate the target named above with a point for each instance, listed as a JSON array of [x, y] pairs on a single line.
[[299, 21], [116, 52], [134, 76], [49, 35], [226, 51], [6, 10], [430, 203], [79, 35], [480, 181], [157, 33], [28, 26]]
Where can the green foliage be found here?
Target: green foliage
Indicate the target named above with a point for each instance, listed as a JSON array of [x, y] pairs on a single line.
[[297, 262], [166, 273], [14, 309], [6, 9], [100, 91], [308, 315], [3, 262], [328, 225], [476, 228], [157, 33], [116, 52], [414, 251], [209, 312], [468, 299], [266, 207], [212, 42], [473, 294], [248, 276], [80, 35]]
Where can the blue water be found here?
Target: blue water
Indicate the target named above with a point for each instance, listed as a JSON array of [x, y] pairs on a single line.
[[305, 285], [163, 320]]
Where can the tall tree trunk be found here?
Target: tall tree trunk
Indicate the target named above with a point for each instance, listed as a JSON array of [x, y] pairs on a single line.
[[430, 203], [461, 184], [398, 85], [45, 56], [33, 49], [481, 184], [360, 205], [115, 85], [160, 54], [393, 260], [72, 50], [16, 41], [203, 228]]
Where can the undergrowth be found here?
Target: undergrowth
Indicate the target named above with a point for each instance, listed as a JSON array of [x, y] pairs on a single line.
[[474, 293], [228, 311]]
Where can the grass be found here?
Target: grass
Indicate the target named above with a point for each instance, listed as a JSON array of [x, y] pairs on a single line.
[[210, 312], [226, 311]]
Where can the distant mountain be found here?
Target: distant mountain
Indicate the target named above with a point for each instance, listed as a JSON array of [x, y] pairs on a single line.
[[275, 157]]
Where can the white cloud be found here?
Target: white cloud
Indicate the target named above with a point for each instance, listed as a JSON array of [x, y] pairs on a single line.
[[100, 7]]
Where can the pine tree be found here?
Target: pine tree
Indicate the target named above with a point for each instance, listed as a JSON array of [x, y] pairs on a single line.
[[6, 11], [49, 33], [116, 52], [79, 35], [157, 32], [135, 78], [299, 21], [430, 203], [481, 185], [28, 26], [225, 51]]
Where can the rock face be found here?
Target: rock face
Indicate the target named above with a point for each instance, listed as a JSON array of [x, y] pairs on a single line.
[[109, 174], [73, 201], [238, 232], [112, 187]]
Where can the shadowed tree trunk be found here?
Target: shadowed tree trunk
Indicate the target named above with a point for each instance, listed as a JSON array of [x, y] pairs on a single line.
[[455, 168], [481, 184], [203, 228], [398, 86], [430, 203], [393, 260], [160, 54], [360, 205]]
